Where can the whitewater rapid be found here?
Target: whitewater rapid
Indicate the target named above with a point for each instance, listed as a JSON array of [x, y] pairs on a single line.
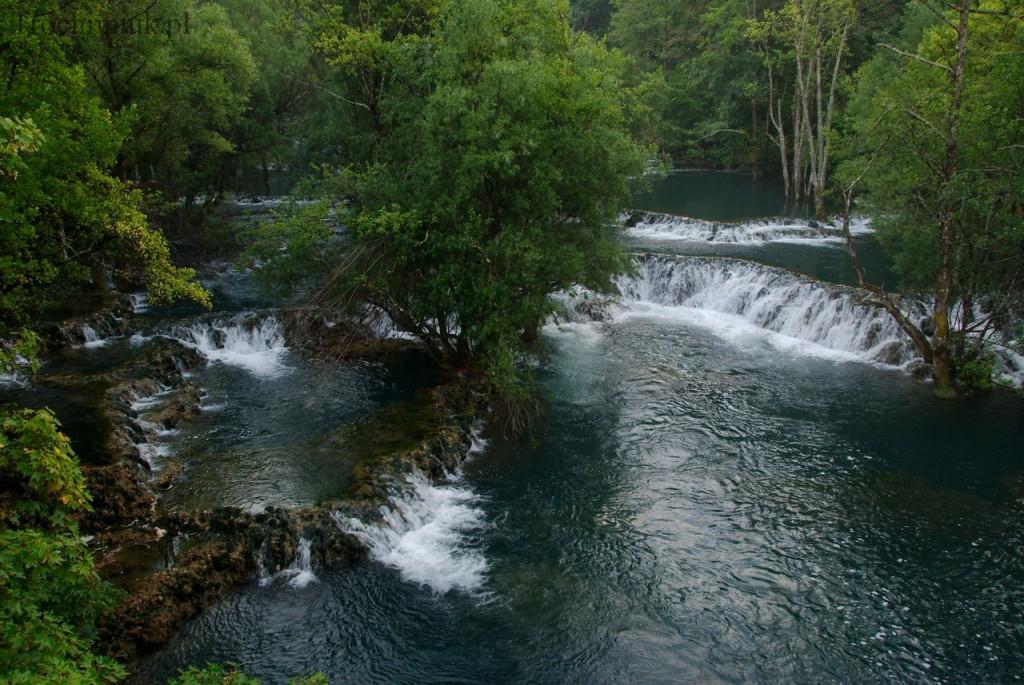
[[425, 532], [741, 301], [668, 227], [253, 342]]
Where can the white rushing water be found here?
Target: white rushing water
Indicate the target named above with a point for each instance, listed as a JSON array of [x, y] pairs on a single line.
[[152, 450], [300, 573], [92, 339], [423, 534], [685, 229], [257, 345], [13, 380], [140, 302], [738, 299]]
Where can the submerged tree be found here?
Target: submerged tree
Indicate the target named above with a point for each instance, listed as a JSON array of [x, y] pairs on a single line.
[[938, 141]]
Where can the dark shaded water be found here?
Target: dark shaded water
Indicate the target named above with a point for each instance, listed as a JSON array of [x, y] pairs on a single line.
[[723, 196], [703, 504]]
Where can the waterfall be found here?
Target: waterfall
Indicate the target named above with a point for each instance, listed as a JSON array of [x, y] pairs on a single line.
[[92, 339], [721, 293], [300, 573], [681, 228], [13, 380], [152, 451], [422, 534], [140, 302], [256, 344]]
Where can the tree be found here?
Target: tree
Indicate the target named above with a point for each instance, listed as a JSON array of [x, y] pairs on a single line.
[[284, 93], [369, 43], [64, 220], [181, 92], [592, 16], [50, 593], [940, 126], [500, 171], [813, 35]]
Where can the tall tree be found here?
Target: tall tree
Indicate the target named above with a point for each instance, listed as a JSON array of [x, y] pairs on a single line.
[[183, 92], [64, 220], [941, 126], [499, 170], [812, 35]]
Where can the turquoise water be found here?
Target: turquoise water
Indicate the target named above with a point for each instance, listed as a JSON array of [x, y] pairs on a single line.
[[719, 195], [706, 502]]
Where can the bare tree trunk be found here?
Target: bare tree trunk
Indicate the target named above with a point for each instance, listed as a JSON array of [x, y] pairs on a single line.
[[798, 140], [775, 119], [823, 152], [882, 298]]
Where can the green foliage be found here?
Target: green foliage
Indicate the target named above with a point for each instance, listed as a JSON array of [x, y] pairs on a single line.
[[50, 597], [501, 160], [181, 92], [715, 95], [709, 70], [63, 217], [20, 351], [50, 593], [213, 674], [898, 128], [976, 375], [218, 674], [37, 456], [592, 16], [20, 137], [305, 231]]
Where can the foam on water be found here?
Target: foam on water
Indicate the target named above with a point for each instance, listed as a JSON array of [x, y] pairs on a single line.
[[256, 345], [143, 402], [140, 302], [738, 299], [153, 453], [92, 339], [686, 229], [300, 573], [1011, 368], [423, 534], [13, 380]]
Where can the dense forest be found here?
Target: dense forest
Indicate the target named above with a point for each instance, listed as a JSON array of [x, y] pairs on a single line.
[[452, 166]]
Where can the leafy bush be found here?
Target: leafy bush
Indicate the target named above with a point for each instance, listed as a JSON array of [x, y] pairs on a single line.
[[213, 674], [50, 593], [218, 674], [976, 375], [50, 597], [36, 458]]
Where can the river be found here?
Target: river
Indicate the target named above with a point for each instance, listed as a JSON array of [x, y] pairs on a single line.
[[736, 480]]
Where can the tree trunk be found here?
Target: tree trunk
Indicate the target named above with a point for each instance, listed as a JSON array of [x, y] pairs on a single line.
[[775, 119], [942, 367]]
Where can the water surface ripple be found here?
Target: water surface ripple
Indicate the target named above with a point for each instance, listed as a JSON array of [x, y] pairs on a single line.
[[695, 510]]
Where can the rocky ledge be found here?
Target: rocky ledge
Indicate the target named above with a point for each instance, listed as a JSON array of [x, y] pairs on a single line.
[[112, 316], [174, 565]]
